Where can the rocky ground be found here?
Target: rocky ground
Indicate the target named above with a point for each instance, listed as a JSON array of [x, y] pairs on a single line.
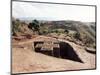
[[25, 59]]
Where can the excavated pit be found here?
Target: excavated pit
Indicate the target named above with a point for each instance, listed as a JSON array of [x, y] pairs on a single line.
[[65, 51]]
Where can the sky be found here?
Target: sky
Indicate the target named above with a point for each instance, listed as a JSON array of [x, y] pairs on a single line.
[[43, 11]]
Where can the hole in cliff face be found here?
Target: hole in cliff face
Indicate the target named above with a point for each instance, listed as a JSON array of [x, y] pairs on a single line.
[[67, 52]]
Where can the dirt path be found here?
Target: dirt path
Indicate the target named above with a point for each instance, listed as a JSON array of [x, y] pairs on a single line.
[[25, 59]]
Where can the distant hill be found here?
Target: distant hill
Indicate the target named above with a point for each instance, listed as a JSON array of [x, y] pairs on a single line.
[[86, 30]]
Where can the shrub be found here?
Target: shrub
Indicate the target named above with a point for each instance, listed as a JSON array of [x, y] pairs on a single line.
[[77, 36], [66, 31], [15, 26], [34, 25]]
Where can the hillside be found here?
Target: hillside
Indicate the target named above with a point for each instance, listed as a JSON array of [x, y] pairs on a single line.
[[83, 32]]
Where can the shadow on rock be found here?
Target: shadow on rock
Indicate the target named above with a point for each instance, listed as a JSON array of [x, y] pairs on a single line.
[[67, 52]]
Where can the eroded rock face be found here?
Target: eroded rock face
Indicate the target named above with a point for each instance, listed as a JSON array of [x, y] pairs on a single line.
[[90, 50]]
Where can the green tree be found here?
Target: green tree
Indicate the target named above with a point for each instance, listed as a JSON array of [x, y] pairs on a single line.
[[35, 25]]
